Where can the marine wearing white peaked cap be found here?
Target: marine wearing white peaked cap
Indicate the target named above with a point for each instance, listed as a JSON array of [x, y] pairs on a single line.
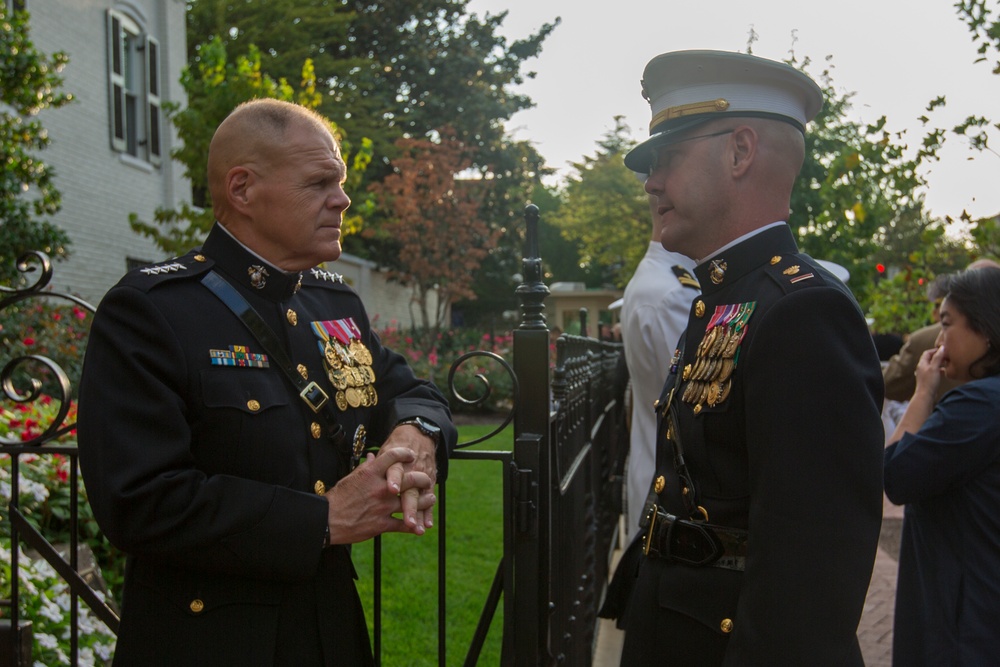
[[688, 88]]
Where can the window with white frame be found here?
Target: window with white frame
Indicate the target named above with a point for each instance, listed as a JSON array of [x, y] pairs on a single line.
[[134, 85]]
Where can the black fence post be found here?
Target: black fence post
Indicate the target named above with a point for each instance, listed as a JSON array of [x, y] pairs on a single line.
[[531, 463]]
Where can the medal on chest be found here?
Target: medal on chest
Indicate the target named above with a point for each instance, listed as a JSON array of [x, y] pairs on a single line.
[[709, 375], [348, 363]]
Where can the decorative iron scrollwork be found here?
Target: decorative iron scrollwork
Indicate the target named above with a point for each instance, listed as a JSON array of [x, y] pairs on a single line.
[[487, 389]]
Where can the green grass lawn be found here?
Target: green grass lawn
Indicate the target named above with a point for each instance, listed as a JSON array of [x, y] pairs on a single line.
[[410, 564]]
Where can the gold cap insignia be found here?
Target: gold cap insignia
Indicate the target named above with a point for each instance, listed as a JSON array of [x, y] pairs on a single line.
[[199, 258]]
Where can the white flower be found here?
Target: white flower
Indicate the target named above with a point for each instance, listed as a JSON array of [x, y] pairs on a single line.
[[46, 640], [50, 611], [63, 601]]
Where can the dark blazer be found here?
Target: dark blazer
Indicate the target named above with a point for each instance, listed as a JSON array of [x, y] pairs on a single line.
[[786, 445], [208, 475], [948, 476]]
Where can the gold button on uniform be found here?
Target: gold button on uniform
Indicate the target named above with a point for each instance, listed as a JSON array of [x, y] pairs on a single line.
[[292, 317], [726, 626], [699, 308], [196, 606], [319, 487], [659, 484], [316, 430], [253, 405], [303, 371]]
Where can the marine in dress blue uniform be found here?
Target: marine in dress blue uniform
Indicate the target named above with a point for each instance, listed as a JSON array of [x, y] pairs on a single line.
[[765, 510], [206, 467]]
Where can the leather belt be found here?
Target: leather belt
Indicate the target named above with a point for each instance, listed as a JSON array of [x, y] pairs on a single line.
[[693, 542]]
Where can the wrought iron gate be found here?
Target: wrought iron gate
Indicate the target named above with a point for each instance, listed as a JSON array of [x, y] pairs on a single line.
[[559, 499]]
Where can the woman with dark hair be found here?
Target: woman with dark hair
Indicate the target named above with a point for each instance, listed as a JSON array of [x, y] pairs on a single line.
[[943, 463]]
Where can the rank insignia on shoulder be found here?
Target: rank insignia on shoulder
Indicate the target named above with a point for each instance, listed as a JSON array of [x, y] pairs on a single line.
[[238, 355], [322, 274], [804, 276], [685, 278], [162, 268], [347, 361]]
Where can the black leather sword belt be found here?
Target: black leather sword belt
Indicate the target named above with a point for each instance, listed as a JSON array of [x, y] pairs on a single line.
[[693, 542]]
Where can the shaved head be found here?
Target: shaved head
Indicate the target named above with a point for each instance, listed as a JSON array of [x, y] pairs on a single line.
[[254, 135]]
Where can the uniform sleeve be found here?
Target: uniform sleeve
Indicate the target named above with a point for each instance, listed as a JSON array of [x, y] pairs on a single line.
[[958, 441], [814, 438], [136, 458], [410, 396]]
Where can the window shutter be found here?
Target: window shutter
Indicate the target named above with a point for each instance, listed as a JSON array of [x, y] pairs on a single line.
[[153, 100], [116, 80]]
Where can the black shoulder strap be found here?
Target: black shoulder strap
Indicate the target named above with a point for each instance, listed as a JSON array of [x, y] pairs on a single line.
[[311, 393]]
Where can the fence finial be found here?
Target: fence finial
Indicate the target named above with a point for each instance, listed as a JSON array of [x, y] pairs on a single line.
[[532, 291]]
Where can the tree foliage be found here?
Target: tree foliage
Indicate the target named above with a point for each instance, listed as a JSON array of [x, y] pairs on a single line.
[[434, 224], [29, 83], [399, 70], [605, 210], [215, 85]]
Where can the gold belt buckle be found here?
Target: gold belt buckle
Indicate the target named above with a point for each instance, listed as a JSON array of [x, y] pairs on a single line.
[[308, 390], [649, 534]]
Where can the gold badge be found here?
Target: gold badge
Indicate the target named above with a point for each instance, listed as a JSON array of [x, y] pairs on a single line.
[[199, 258], [775, 259], [792, 270], [699, 308], [718, 271], [660, 484], [292, 317]]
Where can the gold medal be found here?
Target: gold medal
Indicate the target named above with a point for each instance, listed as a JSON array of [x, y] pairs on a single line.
[[341, 399], [338, 378], [353, 397], [330, 353], [373, 395], [714, 390]]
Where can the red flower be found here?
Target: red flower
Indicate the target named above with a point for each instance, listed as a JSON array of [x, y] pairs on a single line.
[[29, 341]]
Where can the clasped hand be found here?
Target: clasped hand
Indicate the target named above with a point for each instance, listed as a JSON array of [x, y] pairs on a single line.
[[399, 480]]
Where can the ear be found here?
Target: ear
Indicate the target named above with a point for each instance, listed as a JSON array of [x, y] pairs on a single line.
[[238, 183], [744, 142]]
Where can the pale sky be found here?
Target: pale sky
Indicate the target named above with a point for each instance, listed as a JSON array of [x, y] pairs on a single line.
[[897, 55]]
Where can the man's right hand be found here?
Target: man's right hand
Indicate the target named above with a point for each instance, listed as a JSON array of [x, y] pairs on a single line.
[[362, 504]]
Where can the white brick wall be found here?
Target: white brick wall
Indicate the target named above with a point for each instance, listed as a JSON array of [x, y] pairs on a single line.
[[98, 186]]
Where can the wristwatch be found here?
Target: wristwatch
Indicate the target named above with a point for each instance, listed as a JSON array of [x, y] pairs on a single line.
[[430, 429]]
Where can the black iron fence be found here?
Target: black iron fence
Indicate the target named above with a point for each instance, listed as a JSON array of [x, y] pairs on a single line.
[[560, 496]]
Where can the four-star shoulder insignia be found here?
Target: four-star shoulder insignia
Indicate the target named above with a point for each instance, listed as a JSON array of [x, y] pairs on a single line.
[[321, 274], [162, 268]]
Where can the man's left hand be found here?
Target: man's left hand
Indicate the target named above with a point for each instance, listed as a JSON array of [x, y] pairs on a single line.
[[406, 435]]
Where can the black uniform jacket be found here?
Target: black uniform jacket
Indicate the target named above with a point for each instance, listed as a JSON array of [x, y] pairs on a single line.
[[782, 436], [203, 464]]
